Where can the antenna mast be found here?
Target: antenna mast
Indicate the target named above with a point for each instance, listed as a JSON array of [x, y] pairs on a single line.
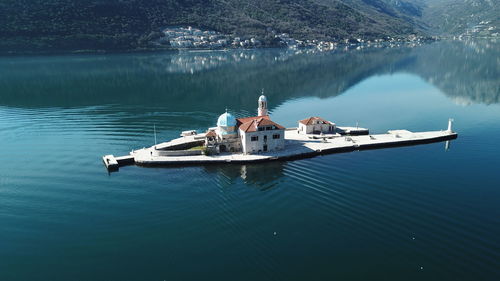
[[154, 129]]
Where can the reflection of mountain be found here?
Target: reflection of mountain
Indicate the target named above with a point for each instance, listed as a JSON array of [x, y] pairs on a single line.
[[211, 81], [467, 72], [149, 79]]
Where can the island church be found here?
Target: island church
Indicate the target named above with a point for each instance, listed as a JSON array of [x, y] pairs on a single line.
[[248, 135]]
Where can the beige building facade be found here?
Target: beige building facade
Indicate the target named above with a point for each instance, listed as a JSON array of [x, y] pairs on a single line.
[[316, 125], [260, 134]]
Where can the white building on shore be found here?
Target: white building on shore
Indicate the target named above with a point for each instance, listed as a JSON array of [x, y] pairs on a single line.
[[316, 125], [251, 134], [260, 134]]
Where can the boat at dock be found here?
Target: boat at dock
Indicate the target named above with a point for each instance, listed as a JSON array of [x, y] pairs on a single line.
[[259, 139]]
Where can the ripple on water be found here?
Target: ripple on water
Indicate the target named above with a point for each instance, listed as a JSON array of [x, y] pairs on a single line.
[[55, 186]]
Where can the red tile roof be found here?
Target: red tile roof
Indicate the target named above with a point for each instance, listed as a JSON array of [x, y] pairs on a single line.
[[240, 121], [309, 121], [252, 123]]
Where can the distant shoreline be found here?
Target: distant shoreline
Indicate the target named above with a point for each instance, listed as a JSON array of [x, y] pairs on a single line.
[[82, 52], [170, 49], [154, 50]]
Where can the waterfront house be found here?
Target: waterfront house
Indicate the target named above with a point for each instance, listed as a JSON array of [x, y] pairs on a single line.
[[260, 134], [316, 125]]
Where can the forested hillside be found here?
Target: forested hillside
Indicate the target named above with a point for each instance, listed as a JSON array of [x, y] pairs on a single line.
[[456, 17], [44, 25], [114, 25]]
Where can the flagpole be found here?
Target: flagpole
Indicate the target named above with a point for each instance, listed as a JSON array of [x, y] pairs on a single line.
[[154, 128]]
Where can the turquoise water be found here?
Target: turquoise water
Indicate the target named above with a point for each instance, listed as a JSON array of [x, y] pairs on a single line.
[[410, 213]]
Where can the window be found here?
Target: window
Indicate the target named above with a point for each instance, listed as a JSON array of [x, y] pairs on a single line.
[[254, 138], [261, 128], [269, 128], [276, 136]]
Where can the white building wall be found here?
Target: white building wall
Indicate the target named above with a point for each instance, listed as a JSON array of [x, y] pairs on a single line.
[[309, 129], [249, 146], [302, 128]]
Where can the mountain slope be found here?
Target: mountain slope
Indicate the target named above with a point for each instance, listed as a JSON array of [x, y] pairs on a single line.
[[72, 25], [403, 13], [433, 17], [36, 25], [455, 17]]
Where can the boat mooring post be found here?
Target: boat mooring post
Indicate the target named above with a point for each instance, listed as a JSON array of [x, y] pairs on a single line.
[[450, 124]]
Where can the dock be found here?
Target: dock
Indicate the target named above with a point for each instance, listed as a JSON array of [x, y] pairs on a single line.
[[110, 162], [297, 146], [113, 163]]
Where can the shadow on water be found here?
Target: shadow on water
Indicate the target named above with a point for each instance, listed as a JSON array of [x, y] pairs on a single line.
[[209, 81]]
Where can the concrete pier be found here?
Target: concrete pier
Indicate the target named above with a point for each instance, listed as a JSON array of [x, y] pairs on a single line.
[[110, 162], [113, 163], [352, 131], [125, 160], [297, 146]]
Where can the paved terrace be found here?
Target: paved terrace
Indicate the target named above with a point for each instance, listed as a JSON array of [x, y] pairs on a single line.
[[301, 146]]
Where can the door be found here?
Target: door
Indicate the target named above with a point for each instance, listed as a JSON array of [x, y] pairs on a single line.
[[265, 147]]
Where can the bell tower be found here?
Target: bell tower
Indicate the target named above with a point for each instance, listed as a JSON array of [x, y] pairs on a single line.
[[262, 110]]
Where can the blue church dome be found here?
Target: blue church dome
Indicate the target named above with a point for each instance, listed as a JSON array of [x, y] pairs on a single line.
[[226, 120]]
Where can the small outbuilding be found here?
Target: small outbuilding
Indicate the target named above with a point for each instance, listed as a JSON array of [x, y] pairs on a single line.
[[210, 138], [316, 125]]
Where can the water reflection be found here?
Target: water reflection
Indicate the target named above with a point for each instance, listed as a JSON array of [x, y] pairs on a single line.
[[196, 61], [262, 176], [467, 72], [190, 62]]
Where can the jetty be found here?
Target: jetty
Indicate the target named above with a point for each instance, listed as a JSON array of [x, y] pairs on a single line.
[[259, 139], [112, 163]]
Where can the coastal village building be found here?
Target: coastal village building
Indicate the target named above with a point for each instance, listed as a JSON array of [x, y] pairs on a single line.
[[247, 135], [316, 125]]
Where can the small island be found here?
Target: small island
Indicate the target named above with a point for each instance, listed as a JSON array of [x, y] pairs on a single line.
[[258, 139]]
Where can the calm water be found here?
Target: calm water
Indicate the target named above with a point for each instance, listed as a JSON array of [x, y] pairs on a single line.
[[411, 213]]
